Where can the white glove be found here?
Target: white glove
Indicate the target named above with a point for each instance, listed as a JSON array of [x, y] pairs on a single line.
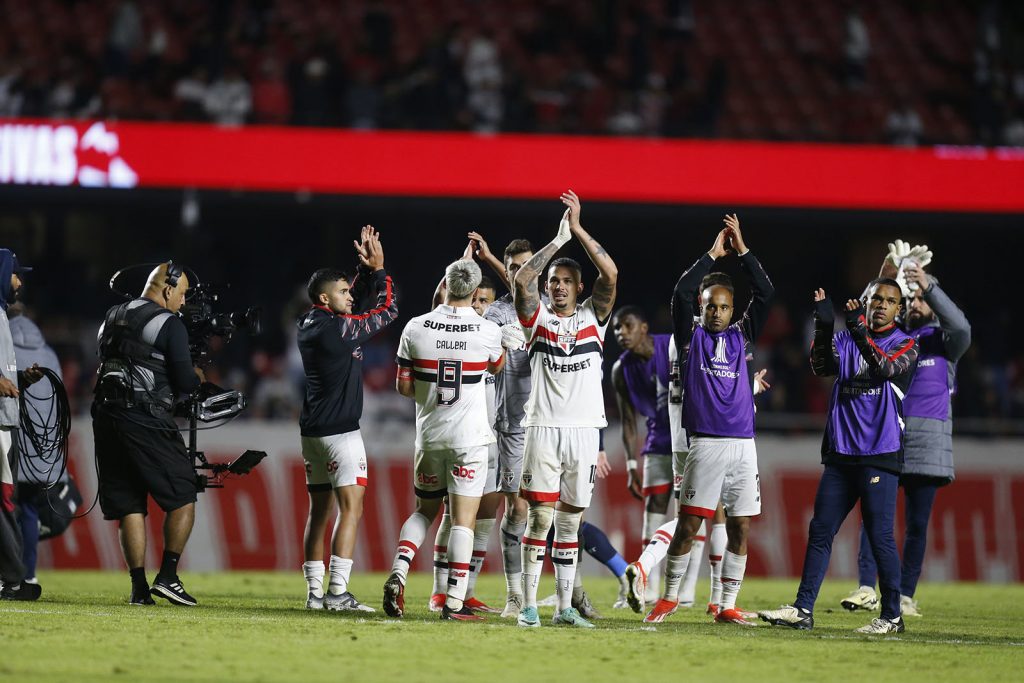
[[512, 337], [564, 231], [898, 251], [921, 255]]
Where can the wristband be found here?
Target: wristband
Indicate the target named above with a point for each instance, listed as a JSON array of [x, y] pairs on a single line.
[[630, 464]]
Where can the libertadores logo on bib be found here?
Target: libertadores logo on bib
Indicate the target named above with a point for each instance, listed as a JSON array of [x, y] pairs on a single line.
[[720, 350]]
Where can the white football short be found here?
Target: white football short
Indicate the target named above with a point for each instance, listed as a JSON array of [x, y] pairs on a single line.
[[334, 461], [462, 471], [560, 463], [657, 474], [721, 469]]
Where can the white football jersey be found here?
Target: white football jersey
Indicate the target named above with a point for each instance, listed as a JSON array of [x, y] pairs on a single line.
[[566, 356], [448, 351], [675, 400]]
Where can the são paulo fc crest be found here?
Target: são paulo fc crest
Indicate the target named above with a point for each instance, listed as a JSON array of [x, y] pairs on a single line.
[[689, 493], [507, 476], [527, 478], [567, 342]]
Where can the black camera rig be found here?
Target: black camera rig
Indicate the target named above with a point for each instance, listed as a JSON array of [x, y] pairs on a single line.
[[209, 403]]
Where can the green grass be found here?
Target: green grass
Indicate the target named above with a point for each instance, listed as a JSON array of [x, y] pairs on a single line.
[[252, 627]]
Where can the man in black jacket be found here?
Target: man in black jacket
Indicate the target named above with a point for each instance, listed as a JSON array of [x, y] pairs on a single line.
[[332, 447]]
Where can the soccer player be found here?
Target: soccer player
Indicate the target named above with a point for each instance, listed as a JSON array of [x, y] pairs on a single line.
[[442, 358], [329, 339], [718, 415], [512, 388], [483, 297], [862, 450], [640, 377], [943, 335], [565, 410]]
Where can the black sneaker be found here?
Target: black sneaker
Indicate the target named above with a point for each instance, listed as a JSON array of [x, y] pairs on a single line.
[[172, 591], [464, 614], [394, 596], [787, 615], [21, 591], [141, 596]]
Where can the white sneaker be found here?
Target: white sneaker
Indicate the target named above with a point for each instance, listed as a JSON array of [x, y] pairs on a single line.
[[863, 598], [550, 601], [908, 607], [513, 605], [789, 616], [879, 626]]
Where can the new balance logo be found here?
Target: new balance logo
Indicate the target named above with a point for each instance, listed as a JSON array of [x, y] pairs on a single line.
[[720, 352], [875, 480]]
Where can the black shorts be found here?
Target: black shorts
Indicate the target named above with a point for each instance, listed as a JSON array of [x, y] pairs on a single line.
[[136, 461]]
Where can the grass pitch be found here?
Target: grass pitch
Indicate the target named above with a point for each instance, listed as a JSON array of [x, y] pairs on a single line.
[[253, 627]]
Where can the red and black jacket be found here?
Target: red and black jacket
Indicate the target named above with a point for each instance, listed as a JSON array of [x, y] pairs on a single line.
[[333, 360]]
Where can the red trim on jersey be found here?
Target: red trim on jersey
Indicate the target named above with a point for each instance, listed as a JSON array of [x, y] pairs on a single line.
[[408, 544], [432, 364], [531, 320], [560, 545], [380, 309], [585, 333], [535, 541], [656, 489], [495, 364], [539, 496], [699, 512], [362, 481], [909, 345]]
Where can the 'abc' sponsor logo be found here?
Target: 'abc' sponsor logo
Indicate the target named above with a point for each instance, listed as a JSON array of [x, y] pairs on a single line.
[[426, 478], [463, 472]]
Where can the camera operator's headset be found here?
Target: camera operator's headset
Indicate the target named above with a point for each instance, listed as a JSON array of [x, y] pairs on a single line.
[[174, 273]]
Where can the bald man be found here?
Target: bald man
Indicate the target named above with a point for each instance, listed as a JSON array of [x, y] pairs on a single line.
[[145, 368]]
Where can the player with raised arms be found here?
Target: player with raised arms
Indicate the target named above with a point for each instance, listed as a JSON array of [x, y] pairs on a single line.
[[565, 410]]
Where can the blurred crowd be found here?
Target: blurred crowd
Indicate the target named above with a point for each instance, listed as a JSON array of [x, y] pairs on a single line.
[[907, 73]]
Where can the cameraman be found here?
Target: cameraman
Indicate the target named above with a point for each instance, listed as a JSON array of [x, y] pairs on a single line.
[[12, 569], [145, 367]]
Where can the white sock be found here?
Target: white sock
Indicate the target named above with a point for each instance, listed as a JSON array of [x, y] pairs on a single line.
[[441, 554], [460, 551], [341, 570], [655, 551], [410, 538], [688, 591], [565, 552], [535, 544], [577, 579], [716, 547], [314, 573], [512, 554], [733, 569], [481, 537], [675, 569], [652, 522]]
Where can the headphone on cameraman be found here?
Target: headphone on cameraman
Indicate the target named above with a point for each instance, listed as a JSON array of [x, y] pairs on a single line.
[[174, 272]]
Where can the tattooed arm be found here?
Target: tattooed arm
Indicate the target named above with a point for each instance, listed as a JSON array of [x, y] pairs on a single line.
[[603, 297], [526, 293]]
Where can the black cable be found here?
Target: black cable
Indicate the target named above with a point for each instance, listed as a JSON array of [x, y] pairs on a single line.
[[43, 439]]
